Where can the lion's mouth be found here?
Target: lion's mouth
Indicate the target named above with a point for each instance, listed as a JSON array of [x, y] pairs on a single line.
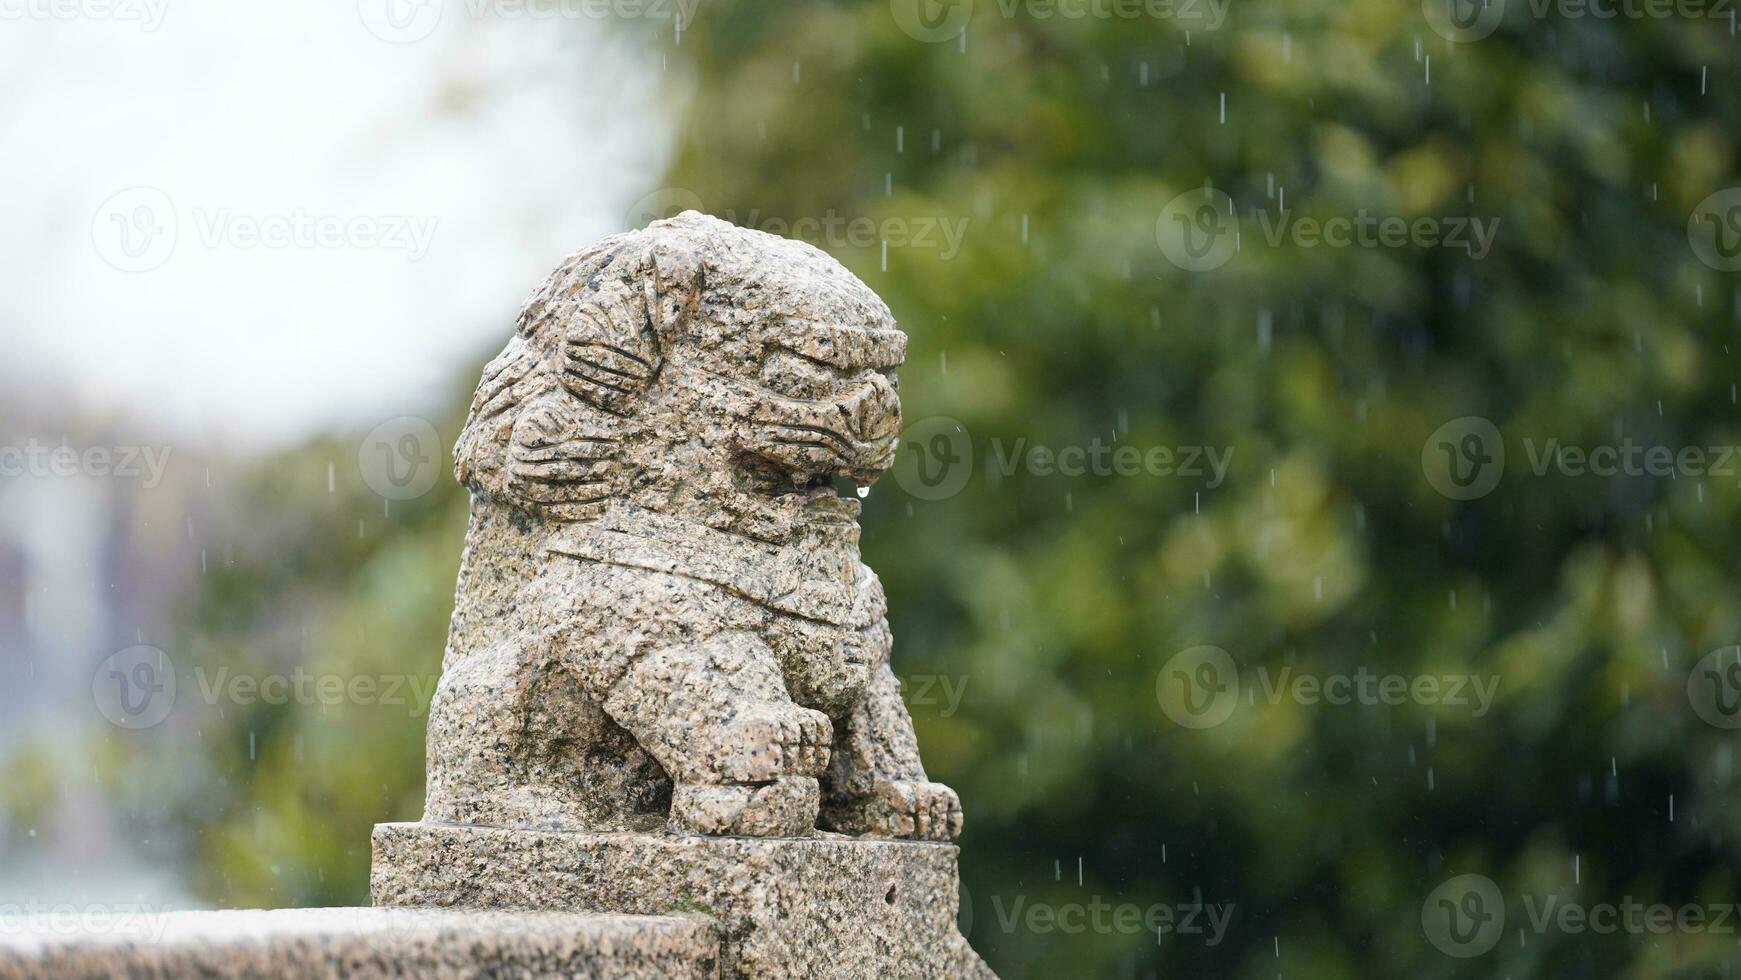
[[821, 495]]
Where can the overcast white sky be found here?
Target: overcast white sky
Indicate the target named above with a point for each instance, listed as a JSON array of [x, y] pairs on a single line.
[[426, 187]]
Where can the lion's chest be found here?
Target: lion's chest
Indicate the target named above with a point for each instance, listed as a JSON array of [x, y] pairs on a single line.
[[818, 609]]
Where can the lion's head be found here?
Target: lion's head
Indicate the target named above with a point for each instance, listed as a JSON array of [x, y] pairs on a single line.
[[696, 368]]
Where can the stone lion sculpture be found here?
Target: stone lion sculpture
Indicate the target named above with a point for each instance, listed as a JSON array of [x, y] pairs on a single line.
[[662, 615]]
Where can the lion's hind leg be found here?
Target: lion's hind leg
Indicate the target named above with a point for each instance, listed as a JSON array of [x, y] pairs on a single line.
[[516, 742]]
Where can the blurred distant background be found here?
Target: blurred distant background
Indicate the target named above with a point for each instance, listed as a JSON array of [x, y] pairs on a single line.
[[1406, 318]]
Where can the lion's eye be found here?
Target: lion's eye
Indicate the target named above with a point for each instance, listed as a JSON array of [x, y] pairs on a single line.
[[795, 377]]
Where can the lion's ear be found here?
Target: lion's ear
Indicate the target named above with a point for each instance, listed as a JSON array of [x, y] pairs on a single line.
[[609, 353], [614, 342]]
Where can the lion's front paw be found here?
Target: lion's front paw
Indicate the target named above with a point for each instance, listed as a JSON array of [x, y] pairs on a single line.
[[783, 808], [769, 741], [897, 808]]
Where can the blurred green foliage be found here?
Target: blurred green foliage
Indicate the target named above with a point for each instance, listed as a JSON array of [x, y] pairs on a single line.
[[1052, 602]]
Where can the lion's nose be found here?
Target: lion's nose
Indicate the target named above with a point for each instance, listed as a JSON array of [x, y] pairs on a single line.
[[874, 411]]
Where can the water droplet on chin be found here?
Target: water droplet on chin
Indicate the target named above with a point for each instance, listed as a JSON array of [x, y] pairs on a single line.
[[863, 492]]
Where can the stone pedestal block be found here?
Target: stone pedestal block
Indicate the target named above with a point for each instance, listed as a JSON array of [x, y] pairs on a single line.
[[815, 907]]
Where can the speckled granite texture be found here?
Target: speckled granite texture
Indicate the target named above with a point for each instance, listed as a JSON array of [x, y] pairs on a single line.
[[359, 943], [824, 908], [661, 615]]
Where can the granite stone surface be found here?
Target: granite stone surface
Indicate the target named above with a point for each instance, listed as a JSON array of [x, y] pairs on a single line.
[[358, 943], [661, 616]]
